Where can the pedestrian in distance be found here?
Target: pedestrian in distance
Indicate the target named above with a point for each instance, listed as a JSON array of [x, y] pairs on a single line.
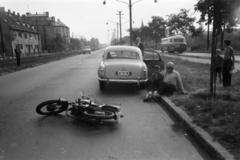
[[18, 55], [228, 63], [153, 83], [140, 45], [218, 67]]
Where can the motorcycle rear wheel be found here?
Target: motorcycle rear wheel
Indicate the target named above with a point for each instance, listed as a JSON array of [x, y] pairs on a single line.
[[50, 107], [107, 114]]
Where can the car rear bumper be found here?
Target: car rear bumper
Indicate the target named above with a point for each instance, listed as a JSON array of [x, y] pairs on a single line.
[[108, 80]]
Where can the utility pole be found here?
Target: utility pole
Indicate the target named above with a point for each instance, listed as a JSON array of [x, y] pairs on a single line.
[[120, 24], [3, 48], [130, 14]]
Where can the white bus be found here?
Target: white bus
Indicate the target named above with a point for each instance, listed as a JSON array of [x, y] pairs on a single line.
[[174, 43]]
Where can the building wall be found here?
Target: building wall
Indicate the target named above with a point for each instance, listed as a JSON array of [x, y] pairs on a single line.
[[29, 43], [44, 25], [12, 36]]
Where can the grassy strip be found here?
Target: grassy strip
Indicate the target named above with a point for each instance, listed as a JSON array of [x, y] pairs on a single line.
[[34, 61], [220, 117]]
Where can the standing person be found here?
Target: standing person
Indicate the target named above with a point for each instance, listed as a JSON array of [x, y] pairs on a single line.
[[140, 45], [18, 55], [228, 63], [153, 83], [218, 67]]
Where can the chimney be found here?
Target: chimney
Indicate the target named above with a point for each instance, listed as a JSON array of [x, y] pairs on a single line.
[[59, 20], [53, 18], [14, 13], [36, 13], [18, 15], [2, 10], [24, 17], [47, 14], [9, 11]]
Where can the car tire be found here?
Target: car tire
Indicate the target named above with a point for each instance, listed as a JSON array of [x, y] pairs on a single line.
[[102, 85]]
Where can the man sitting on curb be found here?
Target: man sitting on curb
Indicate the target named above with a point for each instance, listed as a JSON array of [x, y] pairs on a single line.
[[172, 81], [153, 83]]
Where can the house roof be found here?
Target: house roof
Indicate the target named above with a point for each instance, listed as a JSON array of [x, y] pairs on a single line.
[[60, 24], [16, 23]]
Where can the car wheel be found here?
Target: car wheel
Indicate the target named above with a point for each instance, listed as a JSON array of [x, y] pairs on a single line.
[[102, 85]]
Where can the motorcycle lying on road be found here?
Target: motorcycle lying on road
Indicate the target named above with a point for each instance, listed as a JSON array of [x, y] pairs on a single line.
[[82, 109]]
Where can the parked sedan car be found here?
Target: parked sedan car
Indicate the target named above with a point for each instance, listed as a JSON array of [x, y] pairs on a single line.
[[122, 64], [86, 49]]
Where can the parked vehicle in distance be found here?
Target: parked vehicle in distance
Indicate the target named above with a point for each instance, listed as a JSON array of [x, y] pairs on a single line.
[[174, 43], [122, 64], [86, 49]]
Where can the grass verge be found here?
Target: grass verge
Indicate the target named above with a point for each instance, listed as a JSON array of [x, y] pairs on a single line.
[[35, 61], [220, 116]]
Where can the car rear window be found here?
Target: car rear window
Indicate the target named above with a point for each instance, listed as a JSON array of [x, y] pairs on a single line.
[[122, 55]]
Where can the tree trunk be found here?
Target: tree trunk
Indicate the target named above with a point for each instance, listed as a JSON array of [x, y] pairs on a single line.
[[213, 49], [208, 41], [222, 36]]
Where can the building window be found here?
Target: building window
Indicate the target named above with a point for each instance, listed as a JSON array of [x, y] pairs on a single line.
[[20, 46], [20, 34], [30, 36], [25, 34]]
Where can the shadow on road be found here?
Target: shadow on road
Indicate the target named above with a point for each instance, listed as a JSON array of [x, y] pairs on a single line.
[[58, 124]]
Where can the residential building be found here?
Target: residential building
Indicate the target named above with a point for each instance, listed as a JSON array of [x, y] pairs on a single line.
[[48, 28], [17, 32], [45, 27], [62, 29]]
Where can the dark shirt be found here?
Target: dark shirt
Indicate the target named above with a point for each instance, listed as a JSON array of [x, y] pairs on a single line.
[[218, 61], [140, 46], [17, 52]]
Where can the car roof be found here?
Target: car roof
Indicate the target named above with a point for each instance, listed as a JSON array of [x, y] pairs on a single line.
[[122, 48]]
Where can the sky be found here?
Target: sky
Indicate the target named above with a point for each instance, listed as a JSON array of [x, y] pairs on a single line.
[[88, 18]]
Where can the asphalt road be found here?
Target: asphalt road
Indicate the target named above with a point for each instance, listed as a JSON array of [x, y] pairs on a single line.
[[147, 131]]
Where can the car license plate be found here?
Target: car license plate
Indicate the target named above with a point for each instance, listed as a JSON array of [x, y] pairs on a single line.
[[123, 73]]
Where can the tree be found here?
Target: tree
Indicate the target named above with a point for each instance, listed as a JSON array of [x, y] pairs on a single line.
[[158, 28], [223, 12], [196, 32], [227, 15], [180, 23], [58, 43]]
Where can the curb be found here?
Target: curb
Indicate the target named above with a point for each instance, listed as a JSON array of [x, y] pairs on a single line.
[[215, 149]]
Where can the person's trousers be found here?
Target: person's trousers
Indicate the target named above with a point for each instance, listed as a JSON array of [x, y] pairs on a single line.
[[151, 86], [165, 88], [226, 75], [18, 60]]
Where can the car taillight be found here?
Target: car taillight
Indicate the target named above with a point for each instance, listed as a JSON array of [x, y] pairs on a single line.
[[145, 74]]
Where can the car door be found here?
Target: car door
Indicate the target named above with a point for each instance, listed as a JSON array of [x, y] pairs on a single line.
[[152, 58]]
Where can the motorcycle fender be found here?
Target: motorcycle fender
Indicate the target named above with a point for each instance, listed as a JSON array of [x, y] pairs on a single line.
[[112, 107]]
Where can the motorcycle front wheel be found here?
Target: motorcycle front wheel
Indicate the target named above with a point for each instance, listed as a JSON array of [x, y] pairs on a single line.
[[103, 114], [50, 107]]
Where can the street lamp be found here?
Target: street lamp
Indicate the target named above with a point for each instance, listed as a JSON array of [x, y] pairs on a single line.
[[130, 13]]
